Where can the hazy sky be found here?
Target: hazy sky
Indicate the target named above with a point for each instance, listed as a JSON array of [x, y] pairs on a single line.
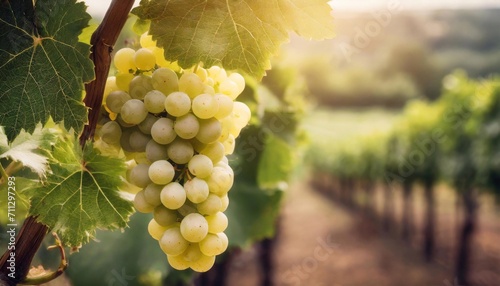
[[414, 4], [97, 7]]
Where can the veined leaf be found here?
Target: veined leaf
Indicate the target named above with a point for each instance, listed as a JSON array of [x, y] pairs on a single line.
[[276, 163], [241, 34], [42, 64], [81, 194], [252, 212], [26, 148], [87, 32]]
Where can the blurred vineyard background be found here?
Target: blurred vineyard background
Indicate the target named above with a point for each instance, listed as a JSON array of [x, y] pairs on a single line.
[[391, 174]]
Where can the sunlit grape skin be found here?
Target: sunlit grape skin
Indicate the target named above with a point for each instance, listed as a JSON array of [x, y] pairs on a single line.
[[200, 166], [203, 264], [173, 196], [194, 227], [161, 172], [211, 205], [196, 190], [172, 242], [210, 130], [154, 101], [144, 59], [205, 106], [191, 84], [155, 230], [212, 245], [187, 126], [133, 111], [124, 60], [177, 104], [217, 222], [162, 131], [165, 80], [177, 130]]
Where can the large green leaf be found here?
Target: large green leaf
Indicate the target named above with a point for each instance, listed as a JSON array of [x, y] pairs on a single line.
[[81, 194], [252, 213], [241, 34], [276, 162], [42, 64], [130, 255]]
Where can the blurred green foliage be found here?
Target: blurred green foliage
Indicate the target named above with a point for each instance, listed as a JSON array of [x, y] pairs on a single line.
[[455, 138]]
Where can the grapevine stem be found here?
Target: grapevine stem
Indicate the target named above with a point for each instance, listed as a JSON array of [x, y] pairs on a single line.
[[4, 175], [13, 167], [102, 41], [52, 275]]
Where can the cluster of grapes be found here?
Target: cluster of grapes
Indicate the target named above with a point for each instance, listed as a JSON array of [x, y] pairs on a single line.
[[179, 130]]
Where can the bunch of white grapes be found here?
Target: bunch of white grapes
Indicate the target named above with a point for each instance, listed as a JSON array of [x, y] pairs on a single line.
[[178, 128]]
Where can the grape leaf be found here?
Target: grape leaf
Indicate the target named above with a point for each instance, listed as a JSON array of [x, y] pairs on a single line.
[[42, 64], [276, 162], [130, 255], [252, 212], [237, 34], [26, 148], [81, 194]]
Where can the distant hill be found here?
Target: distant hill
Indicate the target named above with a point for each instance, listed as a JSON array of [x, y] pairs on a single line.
[[387, 57]]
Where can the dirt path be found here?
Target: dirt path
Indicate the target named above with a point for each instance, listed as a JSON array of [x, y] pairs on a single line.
[[323, 244]]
